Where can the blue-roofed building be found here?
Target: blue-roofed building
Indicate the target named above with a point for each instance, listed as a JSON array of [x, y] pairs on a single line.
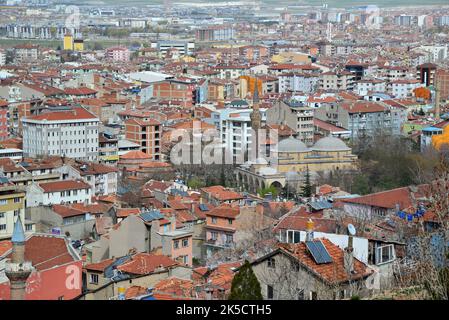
[[427, 134]]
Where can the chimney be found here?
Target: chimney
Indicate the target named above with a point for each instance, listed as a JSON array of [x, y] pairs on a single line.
[[309, 230], [349, 256]]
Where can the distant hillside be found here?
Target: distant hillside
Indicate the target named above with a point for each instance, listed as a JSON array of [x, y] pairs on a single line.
[[331, 3]]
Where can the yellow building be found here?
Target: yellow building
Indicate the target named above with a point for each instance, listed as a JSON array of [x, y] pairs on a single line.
[[68, 42], [78, 45], [292, 159], [72, 44], [12, 204]]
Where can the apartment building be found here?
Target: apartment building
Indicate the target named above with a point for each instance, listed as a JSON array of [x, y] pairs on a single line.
[[58, 192], [118, 54], [2, 57], [146, 133], [364, 86], [235, 131], [72, 133], [296, 115], [363, 118], [298, 82], [337, 80], [404, 88], [12, 205]]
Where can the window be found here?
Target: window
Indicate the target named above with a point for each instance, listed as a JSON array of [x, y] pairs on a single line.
[[301, 294], [270, 292], [313, 295], [16, 213], [214, 220], [384, 254], [2, 214], [28, 227], [16, 200], [229, 221], [2, 227], [185, 243], [93, 278], [176, 244], [271, 263], [229, 238], [3, 201], [214, 235]]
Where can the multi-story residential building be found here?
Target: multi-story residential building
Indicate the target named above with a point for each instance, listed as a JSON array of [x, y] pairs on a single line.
[[443, 21], [236, 131], [296, 115], [298, 82], [26, 52], [184, 47], [101, 177], [215, 33], [72, 133], [232, 71], [108, 149], [4, 108], [363, 117], [58, 192], [118, 54], [253, 53], [364, 86], [2, 57], [220, 228], [343, 80], [404, 88], [12, 205], [147, 134], [188, 91]]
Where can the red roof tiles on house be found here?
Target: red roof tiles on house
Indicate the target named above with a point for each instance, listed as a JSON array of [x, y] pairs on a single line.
[[57, 186]]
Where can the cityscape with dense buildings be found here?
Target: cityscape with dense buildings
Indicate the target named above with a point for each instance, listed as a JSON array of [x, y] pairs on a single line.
[[224, 150]]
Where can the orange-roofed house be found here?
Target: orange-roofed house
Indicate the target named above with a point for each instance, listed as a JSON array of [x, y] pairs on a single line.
[[58, 192], [55, 264], [72, 133], [296, 271], [217, 195]]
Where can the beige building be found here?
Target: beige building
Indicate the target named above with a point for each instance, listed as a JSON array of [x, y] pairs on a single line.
[[292, 159]]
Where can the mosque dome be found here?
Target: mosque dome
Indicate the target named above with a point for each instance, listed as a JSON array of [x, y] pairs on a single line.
[[330, 144], [292, 145]]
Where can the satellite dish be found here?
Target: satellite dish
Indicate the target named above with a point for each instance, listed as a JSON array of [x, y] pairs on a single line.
[[351, 229]]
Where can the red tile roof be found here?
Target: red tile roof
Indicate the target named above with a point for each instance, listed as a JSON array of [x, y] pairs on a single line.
[[63, 185], [388, 199], [222, 194], [73, 114], [99, 266], [224, 211], [145, 263], [333, 272], [136, 154], [46, 251], [124, 212]]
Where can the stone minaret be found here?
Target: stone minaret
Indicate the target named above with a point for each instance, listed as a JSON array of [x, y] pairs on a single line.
[[17, 269], [256, 118]]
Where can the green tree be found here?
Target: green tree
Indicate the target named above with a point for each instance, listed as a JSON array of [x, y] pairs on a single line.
[[361, 185], [306, 189], [245, 285], [264, 191]]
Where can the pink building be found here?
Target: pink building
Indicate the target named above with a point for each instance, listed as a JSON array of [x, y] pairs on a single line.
[[118, 54]]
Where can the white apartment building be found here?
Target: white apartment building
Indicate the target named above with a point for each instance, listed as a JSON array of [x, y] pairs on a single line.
[[72, 133], [58, 192], [235, 130], [118, 54], [2, 57], [102, 178], [293, 82], [363, 87], [404, 88]]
